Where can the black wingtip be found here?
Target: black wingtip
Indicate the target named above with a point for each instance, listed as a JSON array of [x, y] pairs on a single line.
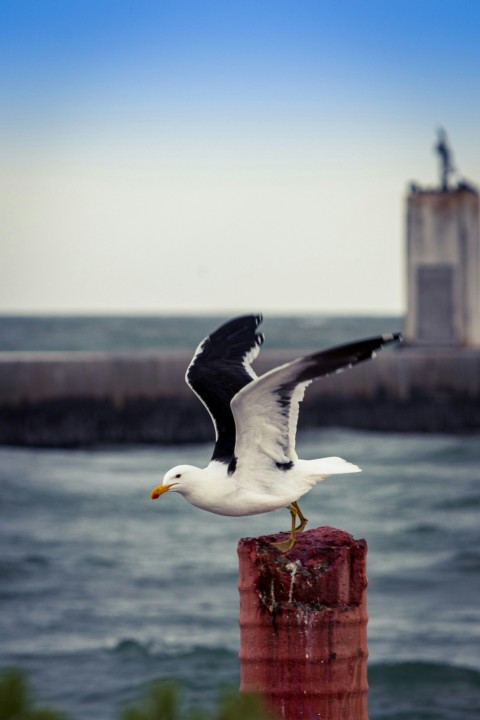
[[392, 337]]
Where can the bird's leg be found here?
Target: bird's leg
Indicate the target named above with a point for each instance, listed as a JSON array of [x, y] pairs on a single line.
[[295, 512], [301, 517], [286, 545], [295, 508]]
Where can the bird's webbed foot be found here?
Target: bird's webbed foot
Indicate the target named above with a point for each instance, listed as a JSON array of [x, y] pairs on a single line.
[[285, 545]]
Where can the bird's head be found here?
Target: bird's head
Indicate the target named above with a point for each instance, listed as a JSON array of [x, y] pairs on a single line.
[[176, 480]]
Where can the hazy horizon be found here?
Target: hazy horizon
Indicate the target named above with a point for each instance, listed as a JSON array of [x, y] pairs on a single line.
[[193, 313]]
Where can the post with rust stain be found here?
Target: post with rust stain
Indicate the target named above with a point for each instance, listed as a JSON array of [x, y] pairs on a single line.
[[303, 625]]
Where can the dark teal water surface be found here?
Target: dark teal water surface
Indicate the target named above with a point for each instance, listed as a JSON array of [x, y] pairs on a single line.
[[102, 590]]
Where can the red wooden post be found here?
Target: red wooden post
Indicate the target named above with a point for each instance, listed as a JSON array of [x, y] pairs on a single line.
[[303, 625]]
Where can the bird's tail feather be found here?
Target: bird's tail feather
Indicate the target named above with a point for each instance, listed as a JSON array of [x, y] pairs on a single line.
[[332, 466]]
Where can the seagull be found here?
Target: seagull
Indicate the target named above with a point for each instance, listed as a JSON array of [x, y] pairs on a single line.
[[254, 467]]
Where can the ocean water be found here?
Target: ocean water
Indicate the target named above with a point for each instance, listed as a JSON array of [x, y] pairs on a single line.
[[103, 590], [114, 333]]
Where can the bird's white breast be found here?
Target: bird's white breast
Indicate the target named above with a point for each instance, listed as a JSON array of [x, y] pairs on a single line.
[[235, 495]]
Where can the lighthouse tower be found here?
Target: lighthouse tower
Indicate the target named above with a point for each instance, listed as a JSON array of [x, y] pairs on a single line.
[[443, 260]]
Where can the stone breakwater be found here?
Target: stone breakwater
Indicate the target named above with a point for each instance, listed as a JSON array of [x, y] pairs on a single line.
[[80, 399]]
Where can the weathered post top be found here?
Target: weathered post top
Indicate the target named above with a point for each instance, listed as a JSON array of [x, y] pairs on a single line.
[[303, 625]]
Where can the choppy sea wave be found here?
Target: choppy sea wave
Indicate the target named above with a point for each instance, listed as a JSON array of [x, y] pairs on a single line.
[[102, 591], [423, 691]]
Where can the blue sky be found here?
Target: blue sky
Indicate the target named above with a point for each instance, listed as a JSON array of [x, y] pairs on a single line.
[[204, 156]]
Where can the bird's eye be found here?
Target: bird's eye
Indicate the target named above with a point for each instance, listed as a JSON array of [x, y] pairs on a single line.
[[178, 475]]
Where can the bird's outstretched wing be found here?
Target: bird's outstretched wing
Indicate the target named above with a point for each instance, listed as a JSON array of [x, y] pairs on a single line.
[[266, 411], [220, 368]]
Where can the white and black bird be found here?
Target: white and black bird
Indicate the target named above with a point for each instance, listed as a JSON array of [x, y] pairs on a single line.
[[254, 467]]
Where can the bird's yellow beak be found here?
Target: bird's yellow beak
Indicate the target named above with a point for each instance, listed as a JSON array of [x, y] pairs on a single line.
[[159, 490]]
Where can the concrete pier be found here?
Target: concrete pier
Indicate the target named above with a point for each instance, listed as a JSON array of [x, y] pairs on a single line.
[[75, 399]]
